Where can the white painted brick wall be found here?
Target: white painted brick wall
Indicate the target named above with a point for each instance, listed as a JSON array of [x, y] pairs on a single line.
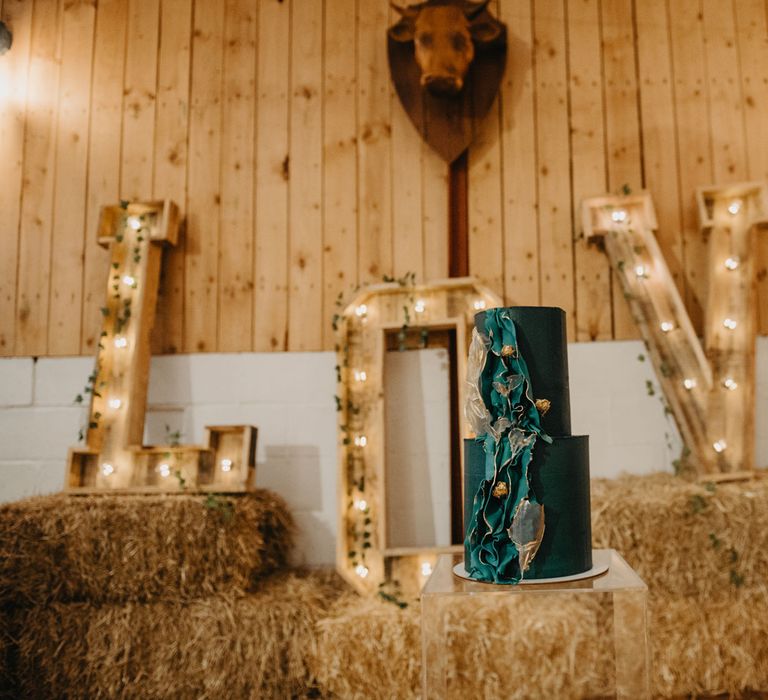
[[290, 398]]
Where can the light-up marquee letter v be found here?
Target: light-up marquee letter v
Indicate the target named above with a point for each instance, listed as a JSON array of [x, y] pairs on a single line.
[[709, 389]]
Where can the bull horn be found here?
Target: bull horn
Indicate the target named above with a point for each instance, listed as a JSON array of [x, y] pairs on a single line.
[[473, 9], [409, 11]]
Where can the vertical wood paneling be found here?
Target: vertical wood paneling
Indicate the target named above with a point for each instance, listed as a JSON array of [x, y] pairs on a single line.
[[305, 193], [552, 137], [752, 35], [170, 175], [270, 309], [657, 111], [38, 177], [13, 102], [622, 126], [235, 276], [68, 239], [103, 154], [203, 188], [518, 158], [693, 140], [139, 89], [275, 127], [339, 159], [374, 133], [591, 267], [726, 118]]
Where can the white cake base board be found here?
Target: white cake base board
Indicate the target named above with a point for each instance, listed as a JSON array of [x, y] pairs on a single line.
[[601, 559]]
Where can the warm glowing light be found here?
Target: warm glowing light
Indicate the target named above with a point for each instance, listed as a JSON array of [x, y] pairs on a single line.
[[730, 384], [121, 342], [361, 310], [732, 263], [426, 568], [360, 375], [130, 281], [361, 571], [735, 206], [361, 505], [619, 216], [479, 304], [720, 445], [107, 469], [419, 306], [689, 383], [729, 323], [115, 403], [361, 440], [641, 270], [666, 326], [134, 222], [226, 465], [164, 470]]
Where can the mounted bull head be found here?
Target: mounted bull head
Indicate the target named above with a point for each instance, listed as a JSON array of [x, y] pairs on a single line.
[[445, 33]]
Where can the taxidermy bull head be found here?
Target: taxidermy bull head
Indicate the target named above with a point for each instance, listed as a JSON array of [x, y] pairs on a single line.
[[445, 34]]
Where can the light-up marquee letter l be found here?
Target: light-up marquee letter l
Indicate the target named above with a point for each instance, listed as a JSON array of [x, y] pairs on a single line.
[[709, 389]]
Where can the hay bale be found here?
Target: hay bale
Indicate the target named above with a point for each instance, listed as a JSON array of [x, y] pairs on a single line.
[[370, 649], [685, 538], [101, 549], [710, 645], [220, 646]]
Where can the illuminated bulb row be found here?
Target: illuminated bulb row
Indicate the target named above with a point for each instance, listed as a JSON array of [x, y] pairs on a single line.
[[361, 505], [641, 271], [134, 222], [426, 568], [734, 207], [361, 310], [730, 323], [479, 304], [121, 342], [720, 445], [732, 263], [226, 465], [666, 326], [361, 440], [107, 469], [360, 375], [689, 383], [129, 281], [164, 470], [619, 216], [361, 571], [115, 403], [419, 306], [730, 384]]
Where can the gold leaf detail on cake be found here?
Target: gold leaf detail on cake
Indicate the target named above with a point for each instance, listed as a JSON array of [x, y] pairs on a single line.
[[500, 490], [508, 351], [542, 406]]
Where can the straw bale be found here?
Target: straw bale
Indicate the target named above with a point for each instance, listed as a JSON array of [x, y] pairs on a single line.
[[685, 538], [101, 549], [221, 646], [372, 649]]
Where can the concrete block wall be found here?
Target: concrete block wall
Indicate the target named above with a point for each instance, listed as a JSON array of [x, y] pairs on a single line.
[[289, 397]]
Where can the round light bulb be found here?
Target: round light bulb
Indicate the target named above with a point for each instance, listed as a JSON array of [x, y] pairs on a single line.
[[689, 383], [115, 403], [619, 216], [732, 263], [107, 469], [361, 505], [361, 571], [164, 470], [134, 222], [360, 375], [426, 568], [729, 323], [419, 306], [720, 445], [641, 270], [666, 326], [226, 465], [128, 280], [479, 304], [121, 342], [735, 206], [361, 310], [361, 440], [730, 384]]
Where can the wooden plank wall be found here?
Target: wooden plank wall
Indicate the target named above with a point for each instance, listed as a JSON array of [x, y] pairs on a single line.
[[274, 126]]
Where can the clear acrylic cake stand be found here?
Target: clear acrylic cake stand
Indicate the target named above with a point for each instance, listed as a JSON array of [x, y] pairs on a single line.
[[482, 640]]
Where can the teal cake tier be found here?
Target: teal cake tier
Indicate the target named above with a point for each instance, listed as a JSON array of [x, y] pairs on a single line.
[[559, 476], [541, 337]]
